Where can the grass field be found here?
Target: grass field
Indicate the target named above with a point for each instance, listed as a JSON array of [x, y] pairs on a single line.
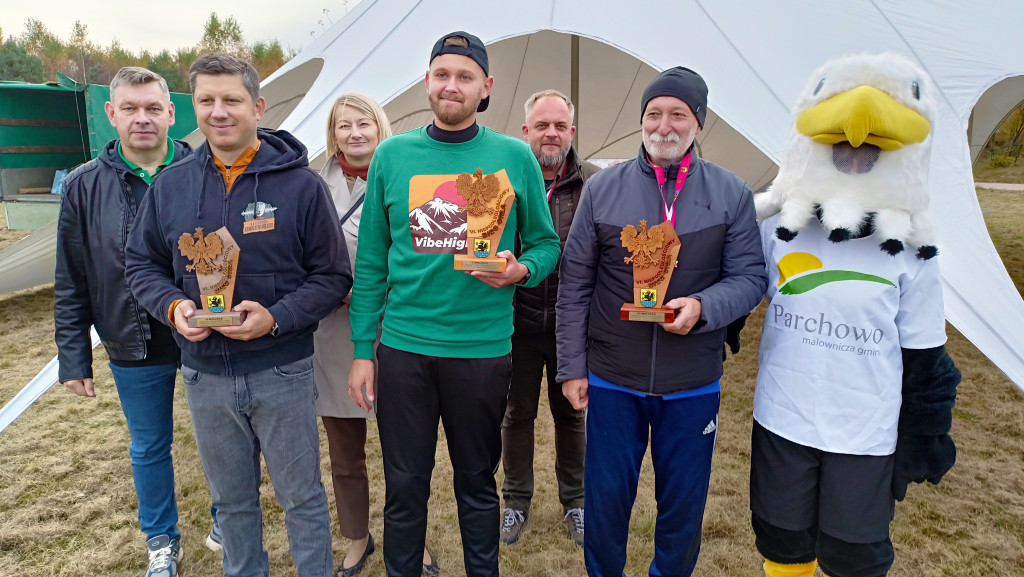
[[985, 173], [67, 504]]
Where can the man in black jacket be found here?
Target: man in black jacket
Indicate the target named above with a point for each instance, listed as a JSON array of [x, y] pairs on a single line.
[[98, 209], [549, 131]]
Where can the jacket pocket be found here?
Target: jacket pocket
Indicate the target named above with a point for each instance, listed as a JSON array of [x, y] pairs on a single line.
[[255, 287]]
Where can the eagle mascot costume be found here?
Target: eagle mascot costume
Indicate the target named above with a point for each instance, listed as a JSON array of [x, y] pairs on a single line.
[[855, 389]]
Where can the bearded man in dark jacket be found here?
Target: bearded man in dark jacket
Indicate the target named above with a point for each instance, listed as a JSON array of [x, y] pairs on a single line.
[[549, 131], [98, 207]]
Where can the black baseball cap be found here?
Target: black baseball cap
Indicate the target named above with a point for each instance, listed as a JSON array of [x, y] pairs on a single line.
[[475, 49]]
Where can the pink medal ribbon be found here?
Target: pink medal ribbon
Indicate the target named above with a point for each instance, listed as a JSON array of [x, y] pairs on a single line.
[[659, 173], [561, 173]]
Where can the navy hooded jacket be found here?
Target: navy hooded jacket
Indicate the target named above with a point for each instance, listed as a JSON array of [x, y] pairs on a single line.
[[299, 270]]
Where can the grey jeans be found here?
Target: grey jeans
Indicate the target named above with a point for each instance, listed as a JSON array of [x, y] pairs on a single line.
[[235, 419]]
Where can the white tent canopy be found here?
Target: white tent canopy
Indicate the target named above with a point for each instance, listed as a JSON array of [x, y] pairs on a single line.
[[756, 57]]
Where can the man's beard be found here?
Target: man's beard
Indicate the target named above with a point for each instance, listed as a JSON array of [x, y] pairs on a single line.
[[551, 160], [670, 147], [457, 115]]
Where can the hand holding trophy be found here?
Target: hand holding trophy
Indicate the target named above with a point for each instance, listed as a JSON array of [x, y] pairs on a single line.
[[654, 253], [214, 259], [488, 201]]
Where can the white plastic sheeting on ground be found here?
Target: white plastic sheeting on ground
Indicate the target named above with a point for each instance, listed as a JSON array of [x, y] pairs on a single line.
[[34, 389], [30, 261], [755, 56]]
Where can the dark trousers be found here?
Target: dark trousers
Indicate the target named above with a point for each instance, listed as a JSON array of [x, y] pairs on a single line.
[[346, 441], [682, 438], [531, 354], [468, 396]]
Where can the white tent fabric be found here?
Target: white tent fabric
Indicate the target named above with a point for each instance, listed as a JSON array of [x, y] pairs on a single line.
[[990, 111], [756, 57], [34, 389], [30, 261]]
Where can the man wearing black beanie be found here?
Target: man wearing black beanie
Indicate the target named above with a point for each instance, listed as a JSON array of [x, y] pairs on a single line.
[[640, 381]]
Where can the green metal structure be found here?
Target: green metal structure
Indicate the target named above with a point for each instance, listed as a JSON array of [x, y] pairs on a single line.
[[46, 128]]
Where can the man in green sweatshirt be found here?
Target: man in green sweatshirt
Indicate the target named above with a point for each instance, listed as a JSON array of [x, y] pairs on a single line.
[[445, 342]]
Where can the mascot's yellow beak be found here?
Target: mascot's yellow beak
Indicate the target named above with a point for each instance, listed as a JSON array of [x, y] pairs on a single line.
[[863, 114]]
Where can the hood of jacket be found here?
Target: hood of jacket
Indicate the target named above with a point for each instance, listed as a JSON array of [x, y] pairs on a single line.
[[279, 151]]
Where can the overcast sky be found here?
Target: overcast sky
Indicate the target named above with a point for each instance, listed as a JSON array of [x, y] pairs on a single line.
[[156, 25]]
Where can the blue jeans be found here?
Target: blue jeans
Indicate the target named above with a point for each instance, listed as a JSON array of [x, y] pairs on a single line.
[[235, 419], [147, 399], [682, 436]]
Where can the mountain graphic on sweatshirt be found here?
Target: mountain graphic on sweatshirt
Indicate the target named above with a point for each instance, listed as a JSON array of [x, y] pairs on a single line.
[[438, 227]]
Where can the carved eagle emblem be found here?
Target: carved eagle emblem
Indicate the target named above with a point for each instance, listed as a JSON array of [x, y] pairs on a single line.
[[643, 244], [202, 251], [478, 190]]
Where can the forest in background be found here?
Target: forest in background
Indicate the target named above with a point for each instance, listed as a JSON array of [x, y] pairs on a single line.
[[38, 54]]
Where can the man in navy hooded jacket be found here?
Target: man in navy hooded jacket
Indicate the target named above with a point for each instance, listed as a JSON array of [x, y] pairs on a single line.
[[249, 387]]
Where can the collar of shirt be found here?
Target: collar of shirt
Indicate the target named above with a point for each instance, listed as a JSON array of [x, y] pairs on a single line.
[[141, 172], [231, 173]]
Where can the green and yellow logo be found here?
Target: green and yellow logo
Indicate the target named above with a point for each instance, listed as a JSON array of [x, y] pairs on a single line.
[[795, 277]]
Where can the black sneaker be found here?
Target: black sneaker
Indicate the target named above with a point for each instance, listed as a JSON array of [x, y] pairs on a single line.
[[512, 521], [164, 555]]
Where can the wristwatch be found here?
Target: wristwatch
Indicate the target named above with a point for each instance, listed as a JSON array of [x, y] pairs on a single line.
[[526, 277], [275, 330]]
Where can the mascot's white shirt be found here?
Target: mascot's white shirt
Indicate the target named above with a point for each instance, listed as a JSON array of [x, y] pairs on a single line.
[[830, 365]]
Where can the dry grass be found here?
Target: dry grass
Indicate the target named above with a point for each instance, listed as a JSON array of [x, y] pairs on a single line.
[[983, 172], [67, 501]]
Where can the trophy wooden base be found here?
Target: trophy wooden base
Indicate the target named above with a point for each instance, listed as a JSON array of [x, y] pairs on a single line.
[[487, 263], [632, 312], [229, 319]]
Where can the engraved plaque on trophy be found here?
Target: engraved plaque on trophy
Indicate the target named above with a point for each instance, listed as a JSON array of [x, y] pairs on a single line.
[[488, 201], [214, 259], [654, 253]]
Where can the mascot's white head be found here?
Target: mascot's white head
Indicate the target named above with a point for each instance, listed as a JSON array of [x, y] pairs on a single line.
[[857, 156]]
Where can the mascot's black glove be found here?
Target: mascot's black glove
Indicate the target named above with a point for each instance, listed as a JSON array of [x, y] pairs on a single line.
[[924, 449], [732, 335]]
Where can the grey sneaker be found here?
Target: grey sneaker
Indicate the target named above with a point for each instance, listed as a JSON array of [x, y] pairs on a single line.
[[574, 523], [213, 540], [512, 521], [164, 555]]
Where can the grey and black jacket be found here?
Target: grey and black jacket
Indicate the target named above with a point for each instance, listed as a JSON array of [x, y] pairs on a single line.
[[535, 307], [720, 263]]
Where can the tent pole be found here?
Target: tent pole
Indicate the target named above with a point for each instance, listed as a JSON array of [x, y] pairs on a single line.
[[574, 87]]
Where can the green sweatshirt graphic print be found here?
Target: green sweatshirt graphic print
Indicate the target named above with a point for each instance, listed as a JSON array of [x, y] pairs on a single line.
[[412, 225]]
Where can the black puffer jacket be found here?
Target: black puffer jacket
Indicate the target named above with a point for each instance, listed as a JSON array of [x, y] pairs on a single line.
[[535, 307], [96, 212]]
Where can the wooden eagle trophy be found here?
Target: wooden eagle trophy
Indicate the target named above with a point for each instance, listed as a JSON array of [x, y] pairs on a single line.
[[488, 201], [653, 255], [214, 259]]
